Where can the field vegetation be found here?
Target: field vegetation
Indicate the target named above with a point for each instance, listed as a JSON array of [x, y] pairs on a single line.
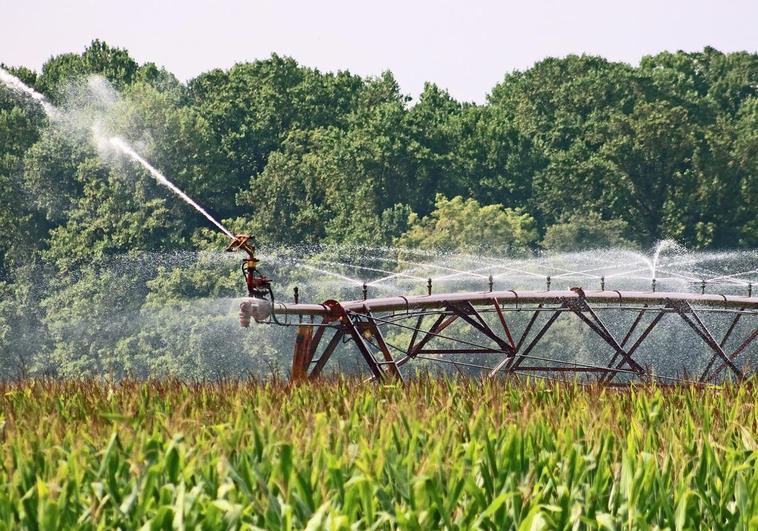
[[433, 454]]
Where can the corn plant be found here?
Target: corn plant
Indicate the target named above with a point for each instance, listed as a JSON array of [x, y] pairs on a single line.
[[454, 454]]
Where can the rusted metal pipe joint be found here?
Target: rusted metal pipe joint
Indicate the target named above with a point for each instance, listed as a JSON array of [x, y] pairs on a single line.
[[245, 313], [258, 309]]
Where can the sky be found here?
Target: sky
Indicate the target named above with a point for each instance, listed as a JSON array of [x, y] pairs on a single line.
[[465, 47]]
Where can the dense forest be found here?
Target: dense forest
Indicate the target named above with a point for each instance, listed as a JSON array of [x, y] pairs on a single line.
[[572, 153]]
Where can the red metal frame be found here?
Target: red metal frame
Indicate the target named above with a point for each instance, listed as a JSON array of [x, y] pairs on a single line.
[[365, 323]]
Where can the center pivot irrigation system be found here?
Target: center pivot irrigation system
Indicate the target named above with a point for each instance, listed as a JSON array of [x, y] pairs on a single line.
[[477, 331]]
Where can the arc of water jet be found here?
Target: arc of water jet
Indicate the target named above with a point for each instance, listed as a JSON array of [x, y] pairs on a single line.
[[457, 274], [523, 272], [395, 275], [477, 275], [569, 272], [367, 268], [494, 265], [601, 268], [16, 84], [127, 150], [337, 275], [700, 278], [732, 275], [629, 272], [435, 266], [685, 277]]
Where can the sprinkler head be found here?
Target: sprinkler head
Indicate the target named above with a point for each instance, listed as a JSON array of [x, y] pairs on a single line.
[[258, 309], [245, 313], [258, 285], [242, 242]]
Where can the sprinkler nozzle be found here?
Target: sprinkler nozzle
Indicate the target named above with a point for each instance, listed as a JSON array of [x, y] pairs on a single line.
[[258, 309], [246, 311]]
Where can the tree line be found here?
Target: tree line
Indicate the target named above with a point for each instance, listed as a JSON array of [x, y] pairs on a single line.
[[569, 154]]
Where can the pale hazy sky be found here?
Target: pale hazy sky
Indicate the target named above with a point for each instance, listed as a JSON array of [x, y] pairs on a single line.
[[465, 47]]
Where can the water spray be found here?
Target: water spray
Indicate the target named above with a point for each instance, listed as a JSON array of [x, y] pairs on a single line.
[[127, 150], [361, 322], [15, 84]]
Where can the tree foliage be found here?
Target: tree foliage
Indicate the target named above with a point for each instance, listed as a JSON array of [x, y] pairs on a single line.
[[465, 225], [572, 153]]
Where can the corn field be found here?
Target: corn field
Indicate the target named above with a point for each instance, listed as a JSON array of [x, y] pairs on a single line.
[[454, 454]]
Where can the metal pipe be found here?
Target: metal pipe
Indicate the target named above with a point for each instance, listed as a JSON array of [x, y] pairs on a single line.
[[442, 300]]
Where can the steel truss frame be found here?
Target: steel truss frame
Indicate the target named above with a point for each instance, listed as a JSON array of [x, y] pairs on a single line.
[[428, 319]]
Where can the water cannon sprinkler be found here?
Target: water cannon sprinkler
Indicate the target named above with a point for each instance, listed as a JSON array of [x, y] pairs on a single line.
[[258, 285]]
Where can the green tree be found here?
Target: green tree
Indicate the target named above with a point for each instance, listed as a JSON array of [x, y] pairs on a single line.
[[252, 107], [465, 225], [585, 232], [114, 64]]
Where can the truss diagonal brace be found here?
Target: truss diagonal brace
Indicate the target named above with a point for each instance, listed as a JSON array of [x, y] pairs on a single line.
[[699, 327], [723, 342], [328, 351], [465, 311], [736, 352], [516, 358], [388, 358], [612, 374], [581, 306]]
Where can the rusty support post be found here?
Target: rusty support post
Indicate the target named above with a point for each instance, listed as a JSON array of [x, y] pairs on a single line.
[[419, 322], [528, 328], [512, 361], [634, 326], [300, 359]]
